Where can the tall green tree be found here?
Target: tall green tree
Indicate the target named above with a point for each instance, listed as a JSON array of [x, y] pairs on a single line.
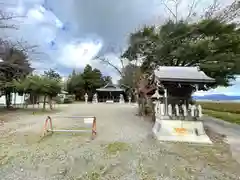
[[130, 76], [40, 86], [75, 85], [86, 82], [14, 64], [52, 74], [212, 45]]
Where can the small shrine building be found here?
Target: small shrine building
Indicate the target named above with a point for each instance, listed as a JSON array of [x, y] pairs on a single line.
[[175, 118], [110, 92]]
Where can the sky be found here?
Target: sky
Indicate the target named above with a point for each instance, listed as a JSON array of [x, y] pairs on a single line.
[[70, 33]]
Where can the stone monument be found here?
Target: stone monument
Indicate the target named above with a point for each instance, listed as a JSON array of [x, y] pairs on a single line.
[[121, 100], [129, 99], [86, 98], [94, 99]]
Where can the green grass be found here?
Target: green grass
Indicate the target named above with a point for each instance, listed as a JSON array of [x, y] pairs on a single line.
[[231, 107], [91, 176], [113, 148], [226, 116], [227, 111]]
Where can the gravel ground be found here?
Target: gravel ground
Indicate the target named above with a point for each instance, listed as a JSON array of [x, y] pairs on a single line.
[[124, 149]]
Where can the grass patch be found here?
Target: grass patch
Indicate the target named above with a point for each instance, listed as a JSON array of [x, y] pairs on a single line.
[[115, 147], [231, 107], [91, 176], [5, 159], [226, 116]]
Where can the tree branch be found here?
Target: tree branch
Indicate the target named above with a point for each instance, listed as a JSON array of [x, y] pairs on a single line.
[[169, 10], [106, 61], [230, 12], [211, 10], [6, 17], [192, 7]]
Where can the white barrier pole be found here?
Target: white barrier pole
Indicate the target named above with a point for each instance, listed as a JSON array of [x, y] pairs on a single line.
[[86, 98], [170, 110], [69, 130], [162, 109], [165, 102], [87, 120], [193, 107], [184, 108], [177, 110], [199, 110]]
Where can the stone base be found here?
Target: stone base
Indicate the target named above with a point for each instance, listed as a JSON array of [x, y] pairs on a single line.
[[109, 101], [180, 131]]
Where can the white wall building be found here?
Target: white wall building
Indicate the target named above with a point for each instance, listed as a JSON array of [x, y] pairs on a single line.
[[19, 99]]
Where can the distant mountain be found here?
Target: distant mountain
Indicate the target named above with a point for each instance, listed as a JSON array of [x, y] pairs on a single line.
[[217, 97]]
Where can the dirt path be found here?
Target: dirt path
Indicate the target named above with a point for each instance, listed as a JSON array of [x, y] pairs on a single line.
[[123, 149]]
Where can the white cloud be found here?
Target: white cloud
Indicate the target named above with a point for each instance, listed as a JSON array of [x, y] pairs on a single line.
[[41, 27], [112, 21], [231, 91], [77, 55], [36, 14]]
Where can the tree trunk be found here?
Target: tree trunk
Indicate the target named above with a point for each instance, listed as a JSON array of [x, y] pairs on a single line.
[[44, 102], [50, 103], [38, 102], [15, 98], [8, 98], [141, 105], [153, 112], [33, 100], [25, 101], [23, 104], [136, 95]]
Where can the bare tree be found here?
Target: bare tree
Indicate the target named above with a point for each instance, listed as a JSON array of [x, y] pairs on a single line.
[[5, 17], [108, 62], [214, 10], [230, 13]]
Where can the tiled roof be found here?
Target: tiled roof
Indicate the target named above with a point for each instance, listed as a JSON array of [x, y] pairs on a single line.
[[110, 87], [182, 74]]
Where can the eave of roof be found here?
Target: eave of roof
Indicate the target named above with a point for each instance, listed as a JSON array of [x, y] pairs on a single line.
[[110, 89], [182, 74]]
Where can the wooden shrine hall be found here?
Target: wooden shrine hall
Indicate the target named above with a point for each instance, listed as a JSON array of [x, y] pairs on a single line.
[[110, 92]]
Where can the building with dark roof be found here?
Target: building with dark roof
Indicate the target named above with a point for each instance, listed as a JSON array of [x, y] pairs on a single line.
[[110, 92]]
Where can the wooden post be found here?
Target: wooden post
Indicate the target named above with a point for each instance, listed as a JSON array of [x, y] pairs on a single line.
[[94, 128], [166, 102]]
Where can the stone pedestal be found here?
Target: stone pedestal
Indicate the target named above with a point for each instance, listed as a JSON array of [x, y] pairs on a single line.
[[180, 131]]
